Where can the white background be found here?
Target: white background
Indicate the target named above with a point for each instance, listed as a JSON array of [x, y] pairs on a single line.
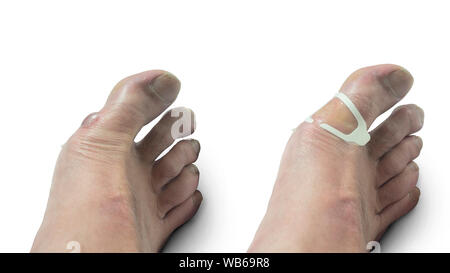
[[251, 70]]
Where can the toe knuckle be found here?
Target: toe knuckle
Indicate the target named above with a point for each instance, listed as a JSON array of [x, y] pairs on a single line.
[[171, 170], [167, 168], [364, 104], [414, 150], [125, 88], [393, 131], [166, 201], [403, 112], [392, 168], [396, 166], [409, 114]]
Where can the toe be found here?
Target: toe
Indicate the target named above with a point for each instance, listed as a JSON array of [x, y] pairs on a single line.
[[182, 213], [170, 166], [396, 160], [398, 187], [404, 120], [176, 123], [137, 100], [178, 190], [373, 90], [399, 209]]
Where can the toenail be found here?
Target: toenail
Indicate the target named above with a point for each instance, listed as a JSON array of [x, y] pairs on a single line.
[[196, 145], [197, 199], [399, 82], [421, 116], [414, 194], [419, 142], [166, 87], [194, 169], [414, 166]]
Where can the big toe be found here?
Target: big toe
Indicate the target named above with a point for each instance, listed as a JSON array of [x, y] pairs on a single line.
[[373, 90], [137, 100]]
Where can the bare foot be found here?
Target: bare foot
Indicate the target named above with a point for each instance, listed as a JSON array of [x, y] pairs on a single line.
[[108, 193], [333, 196]]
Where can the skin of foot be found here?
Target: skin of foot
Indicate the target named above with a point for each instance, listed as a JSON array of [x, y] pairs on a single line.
[[111, 194], [334, 196]]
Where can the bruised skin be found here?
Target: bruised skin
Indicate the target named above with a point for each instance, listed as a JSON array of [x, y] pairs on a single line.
[[333, 196], [110, 194]]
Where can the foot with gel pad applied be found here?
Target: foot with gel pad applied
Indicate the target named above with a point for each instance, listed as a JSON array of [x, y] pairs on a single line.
[[340, 187]]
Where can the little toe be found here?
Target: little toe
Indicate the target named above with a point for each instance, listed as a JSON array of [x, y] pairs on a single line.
[[178, 190], [373, 90], [137, 100], [182, 213], [396, 160], [399, 186], [398, 209], [170, 165], [176, 123], [404, 120]]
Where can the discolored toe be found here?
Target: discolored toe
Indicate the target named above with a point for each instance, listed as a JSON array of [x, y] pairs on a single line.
[[396, 160], [170, 165], [403, 121], [176, 123], [137, 100], [399, 186], [178, 190]]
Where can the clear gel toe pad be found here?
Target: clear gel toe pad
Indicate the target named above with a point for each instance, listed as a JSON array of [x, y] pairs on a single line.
[[359, 136]]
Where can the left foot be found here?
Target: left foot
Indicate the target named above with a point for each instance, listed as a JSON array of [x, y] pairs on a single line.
[[333, 196]]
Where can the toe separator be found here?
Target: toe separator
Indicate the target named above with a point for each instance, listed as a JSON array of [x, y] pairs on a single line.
[[360, 135]]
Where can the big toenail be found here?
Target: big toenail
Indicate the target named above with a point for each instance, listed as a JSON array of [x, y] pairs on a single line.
[[196, 145], [166, 87], [89, 120], [399, 82]]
